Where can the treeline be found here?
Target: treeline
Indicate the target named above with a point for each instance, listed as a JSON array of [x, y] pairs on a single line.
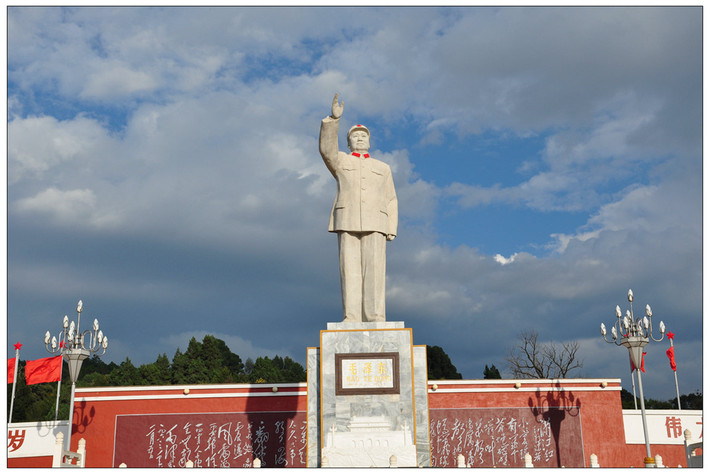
[[439, 365], [691, 401], [206, 362]]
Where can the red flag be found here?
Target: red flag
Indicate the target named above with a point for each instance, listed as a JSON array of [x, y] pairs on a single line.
[[633, 367], [11, 370], [671, 355], [43, 370]]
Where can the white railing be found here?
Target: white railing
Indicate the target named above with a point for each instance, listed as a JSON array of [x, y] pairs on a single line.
[[64, 458], [690, 447]]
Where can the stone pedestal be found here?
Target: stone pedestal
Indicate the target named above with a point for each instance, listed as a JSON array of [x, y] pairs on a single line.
[[367, 397]]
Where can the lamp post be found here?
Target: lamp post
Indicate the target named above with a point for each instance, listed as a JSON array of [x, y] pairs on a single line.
[[75, 346], [634, 334]]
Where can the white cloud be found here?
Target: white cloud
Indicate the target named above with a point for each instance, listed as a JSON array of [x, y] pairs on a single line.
[[561, 241], [75, 207], [504, 261], [59, 202], [112, 81], [39, 146]]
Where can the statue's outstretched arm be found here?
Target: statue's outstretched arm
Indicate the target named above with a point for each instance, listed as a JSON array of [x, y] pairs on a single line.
[[336, 111], [328, 140]]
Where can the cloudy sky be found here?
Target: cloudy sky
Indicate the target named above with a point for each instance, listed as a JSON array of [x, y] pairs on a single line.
[[163, 167]]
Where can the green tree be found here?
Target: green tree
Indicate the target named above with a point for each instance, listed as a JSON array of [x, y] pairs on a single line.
[[219, 356], [627, 399], [209, 361], [189, 368], [291, 371], [439, 365], [248, 365], [157, 373], [692, 401], [265, 371], [95, 364], [653, 404], [491, 373], [94, 373], [217, 359], [125, 374], [94, 379]]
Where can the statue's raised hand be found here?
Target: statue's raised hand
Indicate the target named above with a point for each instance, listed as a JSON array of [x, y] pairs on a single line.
[[336, 110]]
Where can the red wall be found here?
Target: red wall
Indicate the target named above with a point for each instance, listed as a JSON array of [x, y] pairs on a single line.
[[593, 405], [599, 409], [32, 461], [95, 420]]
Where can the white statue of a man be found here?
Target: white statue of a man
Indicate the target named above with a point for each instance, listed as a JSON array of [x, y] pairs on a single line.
[[364, 216]]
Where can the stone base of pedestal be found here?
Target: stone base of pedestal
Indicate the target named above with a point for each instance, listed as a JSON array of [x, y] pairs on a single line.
[[367, 397]]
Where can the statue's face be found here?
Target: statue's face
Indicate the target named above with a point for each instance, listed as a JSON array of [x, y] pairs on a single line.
[[359, 141]]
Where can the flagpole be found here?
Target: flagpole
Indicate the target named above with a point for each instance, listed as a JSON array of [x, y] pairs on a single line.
[[675, 376], [14, 380], [59, 389], [633, 384]]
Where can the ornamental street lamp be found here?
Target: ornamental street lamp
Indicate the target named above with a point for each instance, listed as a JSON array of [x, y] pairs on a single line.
[[75, 346], [634, 334]]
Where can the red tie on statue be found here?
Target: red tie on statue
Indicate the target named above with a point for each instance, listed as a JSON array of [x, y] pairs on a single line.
[[366, 155]]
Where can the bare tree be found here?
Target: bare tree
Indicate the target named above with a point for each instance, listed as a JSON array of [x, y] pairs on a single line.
[[530, 359]]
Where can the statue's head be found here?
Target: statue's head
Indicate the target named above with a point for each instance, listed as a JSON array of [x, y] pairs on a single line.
[[359, 138]]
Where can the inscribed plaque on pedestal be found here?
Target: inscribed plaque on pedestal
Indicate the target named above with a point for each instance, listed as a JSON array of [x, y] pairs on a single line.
[[367, 373]]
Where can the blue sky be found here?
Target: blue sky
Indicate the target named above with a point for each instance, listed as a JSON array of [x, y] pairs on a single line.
[[163, 167]]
